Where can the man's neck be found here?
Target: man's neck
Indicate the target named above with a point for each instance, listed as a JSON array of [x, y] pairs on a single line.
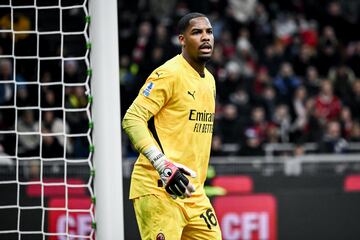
[[199, 67]]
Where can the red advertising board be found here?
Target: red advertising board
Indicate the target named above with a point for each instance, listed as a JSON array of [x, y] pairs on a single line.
[[250, 217], [76, 223], [352, 183], [57, 189]]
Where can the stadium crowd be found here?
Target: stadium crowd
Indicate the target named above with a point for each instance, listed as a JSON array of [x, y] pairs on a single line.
[[34, 93], [286, 71]]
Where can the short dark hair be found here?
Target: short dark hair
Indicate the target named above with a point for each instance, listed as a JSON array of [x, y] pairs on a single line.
[[185, 21]]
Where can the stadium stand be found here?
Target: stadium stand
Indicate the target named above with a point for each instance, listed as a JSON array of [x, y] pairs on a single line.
[[287, 71]]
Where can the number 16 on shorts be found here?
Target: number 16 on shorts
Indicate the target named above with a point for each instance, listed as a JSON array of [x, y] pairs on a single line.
[[209, 218]]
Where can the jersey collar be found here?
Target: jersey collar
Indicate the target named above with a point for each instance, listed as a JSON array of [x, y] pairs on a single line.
[[189, 67]]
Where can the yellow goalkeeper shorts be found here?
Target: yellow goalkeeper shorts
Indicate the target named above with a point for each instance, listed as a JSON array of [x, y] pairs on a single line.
[[163, 218]]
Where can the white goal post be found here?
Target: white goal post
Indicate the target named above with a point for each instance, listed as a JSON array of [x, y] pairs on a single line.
[[106, 116]]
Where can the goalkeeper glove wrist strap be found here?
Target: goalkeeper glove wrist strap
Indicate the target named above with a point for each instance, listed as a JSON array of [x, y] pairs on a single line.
[[156, 157]]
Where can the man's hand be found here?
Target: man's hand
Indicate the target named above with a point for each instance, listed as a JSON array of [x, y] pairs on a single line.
[[175, 181], [171, 174]]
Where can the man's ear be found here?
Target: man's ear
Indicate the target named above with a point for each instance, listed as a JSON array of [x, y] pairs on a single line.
[[182, 40]]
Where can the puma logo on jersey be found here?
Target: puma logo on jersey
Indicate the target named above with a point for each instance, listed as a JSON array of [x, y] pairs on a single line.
[[158, 74], [191, 94]]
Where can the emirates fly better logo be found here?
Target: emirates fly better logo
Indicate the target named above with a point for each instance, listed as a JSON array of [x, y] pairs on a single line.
[[203, 121]]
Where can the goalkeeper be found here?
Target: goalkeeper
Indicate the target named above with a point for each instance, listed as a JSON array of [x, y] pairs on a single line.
[[170, 123]]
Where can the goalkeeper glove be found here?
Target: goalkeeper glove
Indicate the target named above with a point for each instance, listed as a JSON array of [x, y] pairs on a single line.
[[171, 174]]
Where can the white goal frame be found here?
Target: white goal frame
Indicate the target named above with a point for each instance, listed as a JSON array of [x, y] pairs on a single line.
[[105, 88]]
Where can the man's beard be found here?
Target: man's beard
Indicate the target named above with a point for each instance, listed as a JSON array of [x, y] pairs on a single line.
[[204, 59]]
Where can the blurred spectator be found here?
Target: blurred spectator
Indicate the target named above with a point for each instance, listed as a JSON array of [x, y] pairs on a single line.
[[299, 150], [274, 56], [21, 22], [285, 27], [329, 52], [241, 11], [127, 28], [252, 145], [55, 125], [335, 17], [354, 101], [272, 134], [313, 128], [304, 59], [346, 122], [227, 44], [6, 89], [71, 72], [161, 9], [312, 81], [162, 38], [216, 64], [355, 132], [240, 98], [30, 140], [33, 170], [308, 30], [75, 97], [246, 57], [259, 122], [229, 126], [217, 146], [262, 28], [282, 119], [293, 165], [286, 83], [5, 42], [332, 142], [232, 81], [80, 148], [262, 80], [78, 122], [128, 80], [5, 159], [143, 39], [327, 105], [51, 148], [268, 101], [50, 99], [218, 24], [342, 78], [299, 110], [353, 60]]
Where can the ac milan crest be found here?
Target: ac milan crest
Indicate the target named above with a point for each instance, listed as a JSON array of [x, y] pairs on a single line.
[[160, 236]]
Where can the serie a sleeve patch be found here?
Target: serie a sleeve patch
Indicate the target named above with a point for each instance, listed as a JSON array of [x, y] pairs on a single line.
[[148, 89]]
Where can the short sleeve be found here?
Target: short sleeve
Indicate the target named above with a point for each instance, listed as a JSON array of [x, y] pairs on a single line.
[[156, 91]]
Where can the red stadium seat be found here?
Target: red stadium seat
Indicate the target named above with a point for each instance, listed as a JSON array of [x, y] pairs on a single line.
[[352, 183], [234, 184]]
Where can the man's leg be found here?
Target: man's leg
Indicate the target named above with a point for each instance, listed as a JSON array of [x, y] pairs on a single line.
[[158, 218], [203, 223]]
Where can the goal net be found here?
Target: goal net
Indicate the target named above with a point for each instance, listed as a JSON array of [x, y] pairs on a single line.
[[46, 171]]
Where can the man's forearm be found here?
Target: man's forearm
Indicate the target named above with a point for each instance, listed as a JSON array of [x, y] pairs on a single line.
[[135, 126]]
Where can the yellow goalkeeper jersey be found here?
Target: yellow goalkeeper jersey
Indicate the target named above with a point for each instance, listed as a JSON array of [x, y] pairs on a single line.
[[183, 105]]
